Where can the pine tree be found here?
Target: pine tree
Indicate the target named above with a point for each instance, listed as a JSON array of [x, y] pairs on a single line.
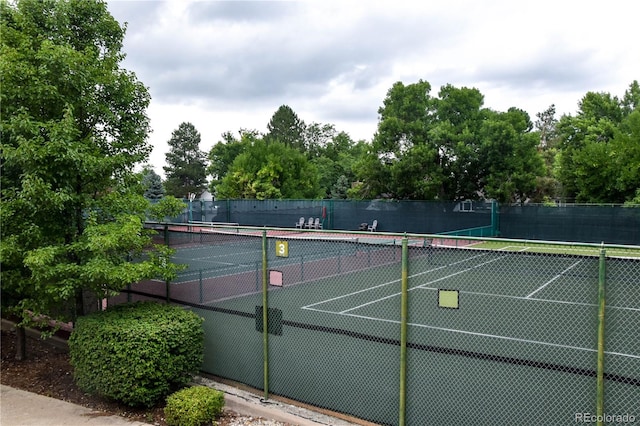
[[285, 127], [186, 164], [152, 184]]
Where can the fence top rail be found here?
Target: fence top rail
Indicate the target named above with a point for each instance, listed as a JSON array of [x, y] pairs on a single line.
[[202, 226]]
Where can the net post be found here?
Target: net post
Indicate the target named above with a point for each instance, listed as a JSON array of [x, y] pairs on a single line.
[[257, 276], [495, 219], [403, 332], [394, 249], [601, 336], [265, 317]]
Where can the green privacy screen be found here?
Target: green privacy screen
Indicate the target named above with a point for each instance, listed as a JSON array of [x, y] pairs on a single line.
[[614, 224]]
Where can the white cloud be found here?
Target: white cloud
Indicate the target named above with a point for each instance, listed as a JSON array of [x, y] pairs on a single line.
[[226, 65]]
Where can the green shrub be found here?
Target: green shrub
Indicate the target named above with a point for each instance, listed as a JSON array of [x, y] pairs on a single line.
[[193, 406], [136, 353]]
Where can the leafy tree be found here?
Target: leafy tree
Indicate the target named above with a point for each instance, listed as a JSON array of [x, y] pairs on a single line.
[[334, 159], [448, 147], [271, 170], [510, 157], [317, 137], [152, 184], [287, 128], [598, 155], [221, 156], [165, 208], [631, 99], [74, 125], [403, 119], [426, 147], [403, 125], [372, 177], [635, 201], [455, 134], [626, 144], [186, 164], [417, 175]]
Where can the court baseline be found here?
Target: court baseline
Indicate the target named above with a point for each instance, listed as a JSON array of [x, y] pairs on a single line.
[[528, 298]]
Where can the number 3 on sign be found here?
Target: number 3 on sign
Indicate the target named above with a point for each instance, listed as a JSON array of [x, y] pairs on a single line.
[[282, 248]]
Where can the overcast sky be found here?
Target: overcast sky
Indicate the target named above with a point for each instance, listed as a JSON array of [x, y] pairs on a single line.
[[227, 65]]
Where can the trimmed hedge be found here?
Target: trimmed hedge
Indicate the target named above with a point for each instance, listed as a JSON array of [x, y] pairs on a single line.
[[194, 406], [136, 353]]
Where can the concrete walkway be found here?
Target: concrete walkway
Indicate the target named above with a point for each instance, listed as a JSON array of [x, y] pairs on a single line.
[[21, 408]]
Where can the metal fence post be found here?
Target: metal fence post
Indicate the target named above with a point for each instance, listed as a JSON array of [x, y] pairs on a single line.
[[403, 331], [601, 334], [265, 316]]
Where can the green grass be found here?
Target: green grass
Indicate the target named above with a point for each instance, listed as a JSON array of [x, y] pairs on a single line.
[[537, 247]]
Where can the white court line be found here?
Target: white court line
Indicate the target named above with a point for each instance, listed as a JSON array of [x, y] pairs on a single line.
[[218, 255], [505, 248], [562, 302], [554, 278], [473, 333], [197, 272], [422, 285], [389, 283]]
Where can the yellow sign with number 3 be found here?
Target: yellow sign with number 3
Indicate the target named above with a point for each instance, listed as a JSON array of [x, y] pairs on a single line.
[[282, 248]]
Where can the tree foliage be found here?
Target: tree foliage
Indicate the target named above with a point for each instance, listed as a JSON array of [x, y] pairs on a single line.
[[509, 157], [599, 159], [287, 128], [448, 147], [334, 155], [222, 155], [186, 164], [271, 170], [74, 126], [152, 184]]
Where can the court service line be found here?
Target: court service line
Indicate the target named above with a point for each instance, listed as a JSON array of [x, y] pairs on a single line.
[[217, 255], [389, 282], [421, 286], [223, 269], [474, 333], [535, 299], [553, 279]]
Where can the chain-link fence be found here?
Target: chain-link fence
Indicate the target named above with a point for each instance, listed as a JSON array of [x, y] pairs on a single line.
[[391, 216], [613, 224], [416, 329]]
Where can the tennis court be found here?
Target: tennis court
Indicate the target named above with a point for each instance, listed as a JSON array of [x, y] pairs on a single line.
[[493, 334]]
